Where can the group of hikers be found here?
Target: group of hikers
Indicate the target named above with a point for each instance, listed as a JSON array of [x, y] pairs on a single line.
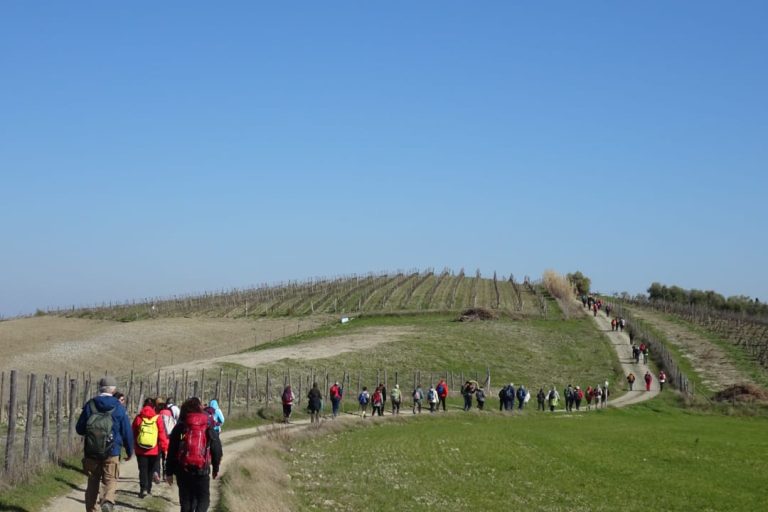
[[642, 350], [169, 442], [510, 397], [648, 378]]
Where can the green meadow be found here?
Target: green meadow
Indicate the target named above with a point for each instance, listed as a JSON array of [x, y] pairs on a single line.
[[534, 351], [649, 456]]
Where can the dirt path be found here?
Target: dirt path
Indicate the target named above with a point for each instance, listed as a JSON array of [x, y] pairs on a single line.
[[623, 348], [165, 497]]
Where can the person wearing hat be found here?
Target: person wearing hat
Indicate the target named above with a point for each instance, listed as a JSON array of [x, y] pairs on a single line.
[[102, 449]]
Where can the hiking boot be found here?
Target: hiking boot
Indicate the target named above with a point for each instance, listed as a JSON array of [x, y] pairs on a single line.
[[142, 494], [107, 506], [156, 477]]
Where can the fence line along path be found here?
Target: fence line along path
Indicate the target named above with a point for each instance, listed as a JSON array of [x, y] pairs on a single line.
[[621, 344]]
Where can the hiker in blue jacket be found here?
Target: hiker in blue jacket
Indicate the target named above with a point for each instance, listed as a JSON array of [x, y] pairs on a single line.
[[521, 394], [101, 459], [217, 415]]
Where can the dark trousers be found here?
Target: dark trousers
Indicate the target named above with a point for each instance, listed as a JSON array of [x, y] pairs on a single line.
[[441, 402], [335, 405], [467, 402], [194, 492], [147, 465]]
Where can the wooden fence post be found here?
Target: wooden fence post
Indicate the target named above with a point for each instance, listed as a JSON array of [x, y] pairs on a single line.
[[9, 442], [46, 415], [2, 395], [299, 396], [58, 416], [72, 398], [267, 390], [31, 396], [248, 392], [229, 398], [140, 403]]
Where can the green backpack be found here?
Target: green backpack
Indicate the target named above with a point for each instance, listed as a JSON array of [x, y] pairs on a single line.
[[98, 433]]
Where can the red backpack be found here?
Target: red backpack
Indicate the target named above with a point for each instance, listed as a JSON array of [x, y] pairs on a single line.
[[194, 453]]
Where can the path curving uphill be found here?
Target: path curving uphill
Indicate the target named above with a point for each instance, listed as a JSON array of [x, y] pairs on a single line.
[[621, 344], [237, 442]]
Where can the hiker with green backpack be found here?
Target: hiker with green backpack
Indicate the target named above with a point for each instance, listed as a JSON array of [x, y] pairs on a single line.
[[107, 431], [150, 440]]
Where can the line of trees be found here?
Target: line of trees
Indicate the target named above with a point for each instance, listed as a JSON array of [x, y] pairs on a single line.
[[708, 298]]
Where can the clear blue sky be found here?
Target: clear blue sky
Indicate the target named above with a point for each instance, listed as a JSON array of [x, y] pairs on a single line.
[[157, 148]]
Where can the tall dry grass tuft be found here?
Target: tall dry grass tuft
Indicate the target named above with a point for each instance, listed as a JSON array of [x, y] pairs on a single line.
[[259, 480], [562, 290]]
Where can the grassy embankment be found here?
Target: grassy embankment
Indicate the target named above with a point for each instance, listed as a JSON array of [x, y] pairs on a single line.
[[648, 456], [536, 352]]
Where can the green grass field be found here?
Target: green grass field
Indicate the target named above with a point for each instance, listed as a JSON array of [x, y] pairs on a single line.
[[645, 457], [536, 352]]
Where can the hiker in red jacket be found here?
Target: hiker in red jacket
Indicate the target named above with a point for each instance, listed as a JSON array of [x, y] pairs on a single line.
[[150, 438], [442, 393], [648, 380]]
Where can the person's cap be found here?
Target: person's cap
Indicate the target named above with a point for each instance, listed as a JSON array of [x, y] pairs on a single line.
[[107, 381]]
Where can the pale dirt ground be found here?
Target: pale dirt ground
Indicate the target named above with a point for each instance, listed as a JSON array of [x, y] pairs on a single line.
[[327, 347], [56, 345], [716, 369]]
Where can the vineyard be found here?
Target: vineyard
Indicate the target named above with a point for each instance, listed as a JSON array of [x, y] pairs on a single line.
[[374, 293], [750, 333]]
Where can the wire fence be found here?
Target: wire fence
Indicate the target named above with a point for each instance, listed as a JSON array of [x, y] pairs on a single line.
[[40, 412]]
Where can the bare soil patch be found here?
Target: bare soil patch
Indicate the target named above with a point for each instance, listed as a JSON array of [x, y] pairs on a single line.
[[742, 393], [716, 369], [473, 314], [56, 345], [316, 349]]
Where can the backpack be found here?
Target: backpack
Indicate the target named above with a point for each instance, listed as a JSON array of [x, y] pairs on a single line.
[[211, 412], [194, 454], [148, 432], [432, 395], [395, 395], [363, 398], [98, 433], [510, 391], [417, 394], [440, 389], [286, 396], [521, 393], [480, 394], [168, 421]]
